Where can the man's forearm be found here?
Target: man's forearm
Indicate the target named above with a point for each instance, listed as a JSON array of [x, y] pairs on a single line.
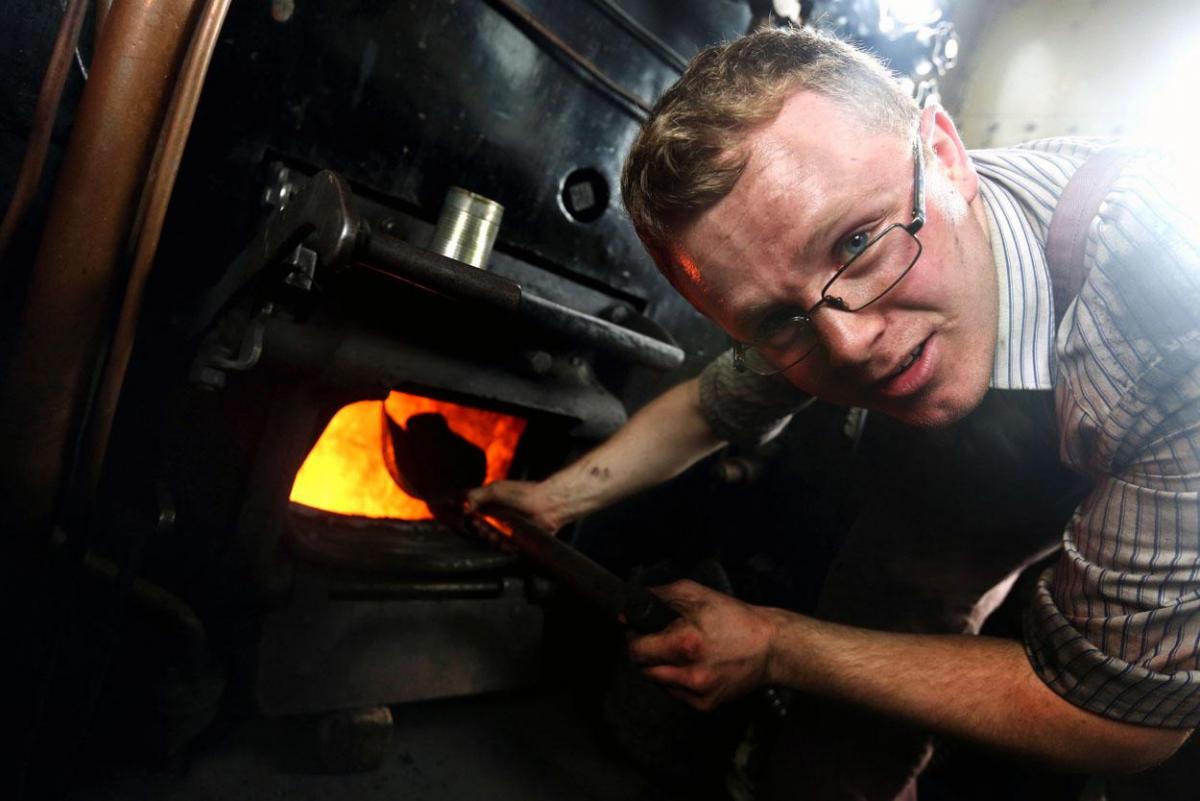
[[977, 688], [664, 438]]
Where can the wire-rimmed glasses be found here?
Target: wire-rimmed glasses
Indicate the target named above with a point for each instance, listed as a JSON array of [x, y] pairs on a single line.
[[866, 277]]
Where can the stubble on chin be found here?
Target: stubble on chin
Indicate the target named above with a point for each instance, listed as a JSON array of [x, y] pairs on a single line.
[[946, 410]]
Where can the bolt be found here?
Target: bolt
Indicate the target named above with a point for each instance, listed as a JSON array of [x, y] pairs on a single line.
[[539, 361]]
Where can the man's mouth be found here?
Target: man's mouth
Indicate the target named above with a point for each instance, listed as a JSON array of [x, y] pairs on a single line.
[[907, 363], [911, 375]]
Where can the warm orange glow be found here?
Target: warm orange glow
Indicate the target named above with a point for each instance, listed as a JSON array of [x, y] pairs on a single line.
[[503, 526], [345, 472], [688, 265]]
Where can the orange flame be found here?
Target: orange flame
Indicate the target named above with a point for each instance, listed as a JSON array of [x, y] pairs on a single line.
[[345, 473]]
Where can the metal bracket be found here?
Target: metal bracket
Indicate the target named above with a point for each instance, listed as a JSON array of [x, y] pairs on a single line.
[[320, 216]]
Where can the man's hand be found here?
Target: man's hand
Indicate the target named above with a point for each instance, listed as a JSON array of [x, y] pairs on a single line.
[[529, 498], [718, 651]]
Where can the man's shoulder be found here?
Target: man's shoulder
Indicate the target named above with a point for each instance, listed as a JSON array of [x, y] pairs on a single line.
[[1053, 161], [1039, 157], [1029, 178], [1128, 352], [1145, 243], [1075, 148], [1149, 201], [1139, 306], [1153, 188]]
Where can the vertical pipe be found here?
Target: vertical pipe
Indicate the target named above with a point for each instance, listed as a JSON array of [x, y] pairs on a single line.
[[148, 225], [76, 274], [98, 17]]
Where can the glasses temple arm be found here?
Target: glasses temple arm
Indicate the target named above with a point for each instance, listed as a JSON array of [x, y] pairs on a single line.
[[918, 188]]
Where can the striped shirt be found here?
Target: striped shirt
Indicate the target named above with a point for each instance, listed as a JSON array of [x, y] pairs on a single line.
[[1114, 626]]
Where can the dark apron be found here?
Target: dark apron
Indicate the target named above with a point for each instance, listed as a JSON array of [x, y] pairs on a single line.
[[952, 517]]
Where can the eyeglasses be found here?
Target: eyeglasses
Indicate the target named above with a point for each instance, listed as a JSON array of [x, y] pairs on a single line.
[[873, 269]]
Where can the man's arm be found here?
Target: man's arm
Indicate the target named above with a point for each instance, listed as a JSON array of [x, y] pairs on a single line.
[[661, 440], [977, 688]]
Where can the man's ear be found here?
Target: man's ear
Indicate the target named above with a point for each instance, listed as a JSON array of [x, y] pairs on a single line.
[[941, 137]]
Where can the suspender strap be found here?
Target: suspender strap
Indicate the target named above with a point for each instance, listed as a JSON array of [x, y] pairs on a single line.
[[1066, 241]]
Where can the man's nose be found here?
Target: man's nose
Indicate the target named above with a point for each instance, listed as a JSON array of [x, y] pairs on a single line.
[[848, 337]]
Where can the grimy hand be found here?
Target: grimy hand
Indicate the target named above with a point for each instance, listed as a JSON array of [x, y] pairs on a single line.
[[524, 497], [718, 651]]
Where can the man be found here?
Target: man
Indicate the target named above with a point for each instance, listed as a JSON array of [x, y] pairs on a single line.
[[853, 248]]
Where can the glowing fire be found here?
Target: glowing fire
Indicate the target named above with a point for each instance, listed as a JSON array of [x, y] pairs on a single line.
[[345, 472]]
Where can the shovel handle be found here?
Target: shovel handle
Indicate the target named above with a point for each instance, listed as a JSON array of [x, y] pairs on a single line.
[[637, 607]]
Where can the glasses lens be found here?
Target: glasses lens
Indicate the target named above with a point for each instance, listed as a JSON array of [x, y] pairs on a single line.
[[877, 269], [788, 346], [865, 279]]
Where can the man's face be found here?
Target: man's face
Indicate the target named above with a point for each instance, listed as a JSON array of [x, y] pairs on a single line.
[[815, 177]]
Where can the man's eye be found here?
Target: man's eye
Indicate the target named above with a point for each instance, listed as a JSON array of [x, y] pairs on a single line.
[[852, 245], [778, 329]]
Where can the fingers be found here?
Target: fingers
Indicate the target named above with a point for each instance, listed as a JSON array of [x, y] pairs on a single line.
[[678, 644], [500, 492], [685, 595], [693, 685], [521, 497], [674, 659], [681, 642], [689, 678], [714, 653]]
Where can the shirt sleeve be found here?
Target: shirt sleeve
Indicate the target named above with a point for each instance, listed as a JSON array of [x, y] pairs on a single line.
[[1114, 626], [744, 407]]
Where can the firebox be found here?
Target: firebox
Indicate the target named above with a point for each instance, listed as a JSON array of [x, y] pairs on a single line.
[[395, 607], [391, 605], [354, 341], [345, 473]]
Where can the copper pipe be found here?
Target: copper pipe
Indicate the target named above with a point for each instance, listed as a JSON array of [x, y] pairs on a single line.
[[76, 275], [98, 17], [148, 228], [50, 95]]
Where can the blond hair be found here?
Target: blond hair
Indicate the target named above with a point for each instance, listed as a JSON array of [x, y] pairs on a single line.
[[690, 153]]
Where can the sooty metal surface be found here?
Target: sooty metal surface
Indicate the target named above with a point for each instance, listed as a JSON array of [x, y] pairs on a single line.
[[395, 547], [322, 653]]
